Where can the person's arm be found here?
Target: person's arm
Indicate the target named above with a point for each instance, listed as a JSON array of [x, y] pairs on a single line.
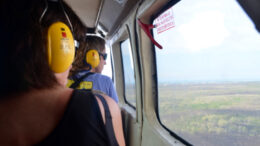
[[116, 118]]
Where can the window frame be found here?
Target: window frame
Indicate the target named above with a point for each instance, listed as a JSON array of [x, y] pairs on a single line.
[[153, 17], [166, 7], [126, 101]]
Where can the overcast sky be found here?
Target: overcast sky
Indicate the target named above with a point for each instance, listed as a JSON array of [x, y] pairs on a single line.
[[211, 41]]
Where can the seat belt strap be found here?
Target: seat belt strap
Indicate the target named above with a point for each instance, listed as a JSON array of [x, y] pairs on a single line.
[[77, 81]]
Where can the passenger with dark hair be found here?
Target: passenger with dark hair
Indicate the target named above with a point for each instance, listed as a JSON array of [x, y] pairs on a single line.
[[37, 50], [88, 65]]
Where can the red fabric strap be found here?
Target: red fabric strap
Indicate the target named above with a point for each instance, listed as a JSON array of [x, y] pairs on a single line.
[[146, 28]]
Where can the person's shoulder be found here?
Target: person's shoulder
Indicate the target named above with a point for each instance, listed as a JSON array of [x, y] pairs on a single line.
[[104, 77], [113, 106]]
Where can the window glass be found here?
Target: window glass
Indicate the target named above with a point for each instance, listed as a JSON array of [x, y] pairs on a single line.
[[129, 76], [108, 67], [209, 73]]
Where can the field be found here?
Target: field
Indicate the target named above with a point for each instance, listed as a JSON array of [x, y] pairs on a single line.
[[219, 114]]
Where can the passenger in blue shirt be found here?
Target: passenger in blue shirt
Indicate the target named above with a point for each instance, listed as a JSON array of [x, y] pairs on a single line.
[[87, 72]]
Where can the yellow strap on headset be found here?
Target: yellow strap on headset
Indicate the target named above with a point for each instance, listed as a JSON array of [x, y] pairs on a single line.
[[83, 85], [92, 58], [61, 48], [70, 82]]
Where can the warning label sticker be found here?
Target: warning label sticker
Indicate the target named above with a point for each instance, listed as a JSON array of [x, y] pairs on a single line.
[[165, 21]]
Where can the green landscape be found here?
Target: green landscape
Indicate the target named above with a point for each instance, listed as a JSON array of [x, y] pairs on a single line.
[[226, 113]]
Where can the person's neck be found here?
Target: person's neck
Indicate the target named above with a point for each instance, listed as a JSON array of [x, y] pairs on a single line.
[[93, 70]]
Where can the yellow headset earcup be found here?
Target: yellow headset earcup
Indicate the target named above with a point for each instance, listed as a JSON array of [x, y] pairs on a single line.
[[61, 48], [92, 58]]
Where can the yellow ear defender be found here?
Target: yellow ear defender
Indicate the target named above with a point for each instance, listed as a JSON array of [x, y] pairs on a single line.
[[61, 48], [92, 58]]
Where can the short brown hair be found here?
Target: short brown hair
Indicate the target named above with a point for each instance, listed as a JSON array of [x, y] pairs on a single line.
[[91, 42]]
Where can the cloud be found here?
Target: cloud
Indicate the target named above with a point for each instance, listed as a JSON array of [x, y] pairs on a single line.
[[204, 30]]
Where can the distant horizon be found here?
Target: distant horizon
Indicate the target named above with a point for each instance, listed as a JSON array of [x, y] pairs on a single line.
[[206, 81]]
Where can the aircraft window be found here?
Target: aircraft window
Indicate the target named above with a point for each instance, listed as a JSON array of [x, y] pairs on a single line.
[[129, 76], [209, 73], [108, 67]]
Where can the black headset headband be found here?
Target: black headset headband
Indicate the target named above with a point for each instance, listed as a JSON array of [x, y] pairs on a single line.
[[60, 3], [66, 15]]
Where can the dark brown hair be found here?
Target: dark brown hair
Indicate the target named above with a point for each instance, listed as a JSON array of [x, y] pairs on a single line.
[[24, 55], [91, 42]]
